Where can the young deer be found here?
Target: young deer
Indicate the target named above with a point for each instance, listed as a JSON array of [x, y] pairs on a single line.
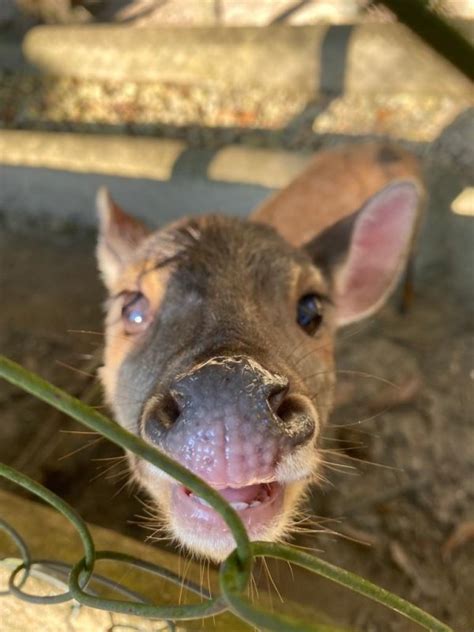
[[220, 333]]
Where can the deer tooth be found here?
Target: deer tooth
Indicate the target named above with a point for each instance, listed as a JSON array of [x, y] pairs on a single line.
[[239, 506], [202, 501]]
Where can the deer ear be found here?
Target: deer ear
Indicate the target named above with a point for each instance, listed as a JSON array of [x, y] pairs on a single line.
[[364, 254], [119, 236]]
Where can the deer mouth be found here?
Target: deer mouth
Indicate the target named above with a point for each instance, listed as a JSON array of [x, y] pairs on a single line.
[[258, 506]]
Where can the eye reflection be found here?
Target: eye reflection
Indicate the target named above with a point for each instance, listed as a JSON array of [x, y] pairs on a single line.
[[135, 312], [309, 314]]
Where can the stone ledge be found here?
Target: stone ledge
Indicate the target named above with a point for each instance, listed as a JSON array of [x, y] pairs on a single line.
[[321, 59], [141, 157]]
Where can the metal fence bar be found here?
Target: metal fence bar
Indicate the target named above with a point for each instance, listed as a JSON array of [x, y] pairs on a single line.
[[235, 571], [438, 33]]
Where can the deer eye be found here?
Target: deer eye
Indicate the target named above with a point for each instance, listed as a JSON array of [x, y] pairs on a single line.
[[135, 312], [309, 313]]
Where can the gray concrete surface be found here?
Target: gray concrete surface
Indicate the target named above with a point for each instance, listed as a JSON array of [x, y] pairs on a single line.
[[56, 175], [144, 157], [11, 54], [66, 197]]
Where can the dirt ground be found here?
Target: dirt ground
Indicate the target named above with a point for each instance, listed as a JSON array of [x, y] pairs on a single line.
[[399, 491]]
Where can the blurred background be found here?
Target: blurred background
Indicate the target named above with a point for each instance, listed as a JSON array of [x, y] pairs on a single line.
[[216, 12], [191, 106]]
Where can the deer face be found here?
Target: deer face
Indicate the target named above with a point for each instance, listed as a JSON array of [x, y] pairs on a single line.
[[219, 351]]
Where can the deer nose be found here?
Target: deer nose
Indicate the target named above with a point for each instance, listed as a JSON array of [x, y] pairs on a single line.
[[227, 381], [229, 390], [229, 420]]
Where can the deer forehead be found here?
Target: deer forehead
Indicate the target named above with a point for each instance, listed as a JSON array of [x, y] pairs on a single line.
[[216, 250], [244, 264]]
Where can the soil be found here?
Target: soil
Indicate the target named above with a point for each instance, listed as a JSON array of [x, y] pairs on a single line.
[[399, 474]]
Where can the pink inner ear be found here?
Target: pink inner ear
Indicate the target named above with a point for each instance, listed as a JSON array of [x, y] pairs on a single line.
[[378, 250]]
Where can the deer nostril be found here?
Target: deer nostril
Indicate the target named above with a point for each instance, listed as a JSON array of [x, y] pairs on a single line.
[[277, 396], [288, 409], [162, 414], [296, 418], [170, 409]]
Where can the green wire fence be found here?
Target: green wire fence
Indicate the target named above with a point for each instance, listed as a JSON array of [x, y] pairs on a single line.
[[234, 572]]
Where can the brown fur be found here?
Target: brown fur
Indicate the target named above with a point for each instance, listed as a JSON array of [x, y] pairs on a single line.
[[221, 287], [335, 183], [135, 276]]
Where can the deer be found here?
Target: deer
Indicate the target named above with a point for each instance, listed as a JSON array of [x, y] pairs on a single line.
[[219, 333]]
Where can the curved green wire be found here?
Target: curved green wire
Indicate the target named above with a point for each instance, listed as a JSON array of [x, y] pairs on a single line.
[[68, 512], [16, 374], [235, 570], [177, 613], [22, 548], [241, 606]]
